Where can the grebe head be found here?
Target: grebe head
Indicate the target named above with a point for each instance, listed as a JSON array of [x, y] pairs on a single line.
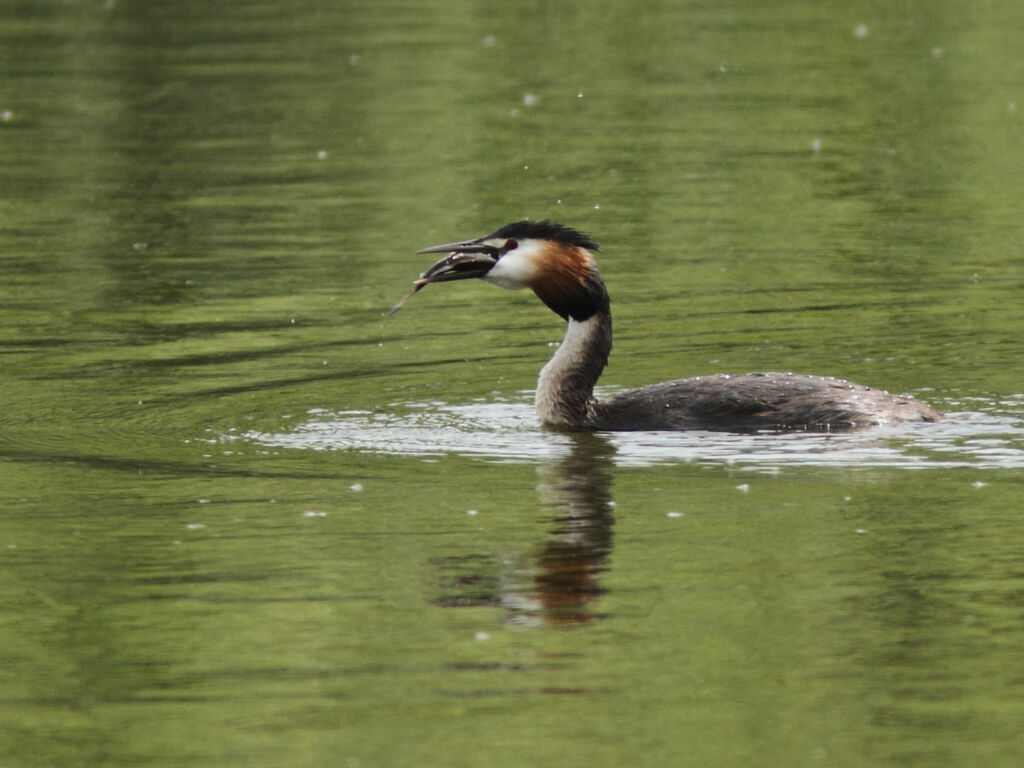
[[551, 259]]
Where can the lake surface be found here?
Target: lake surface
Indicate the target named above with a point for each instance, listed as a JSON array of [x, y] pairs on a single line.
[[247, 518]]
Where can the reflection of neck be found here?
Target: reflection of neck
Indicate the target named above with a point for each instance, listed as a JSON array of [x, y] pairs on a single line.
[[565, 388], [578, 489]]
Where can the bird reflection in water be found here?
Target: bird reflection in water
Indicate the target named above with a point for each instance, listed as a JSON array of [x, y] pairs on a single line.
[[561, 583]]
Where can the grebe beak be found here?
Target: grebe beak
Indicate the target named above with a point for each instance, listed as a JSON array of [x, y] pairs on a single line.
[[471, 258]]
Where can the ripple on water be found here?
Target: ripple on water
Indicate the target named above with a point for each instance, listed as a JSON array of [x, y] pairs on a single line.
[[990, 437]]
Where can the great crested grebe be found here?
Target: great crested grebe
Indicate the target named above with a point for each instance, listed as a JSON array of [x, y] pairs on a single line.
[[555, 262]]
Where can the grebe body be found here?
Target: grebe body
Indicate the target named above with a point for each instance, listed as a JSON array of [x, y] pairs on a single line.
[[555, 262]]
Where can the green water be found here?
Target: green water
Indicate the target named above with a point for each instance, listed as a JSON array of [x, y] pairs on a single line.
[[247, 519]]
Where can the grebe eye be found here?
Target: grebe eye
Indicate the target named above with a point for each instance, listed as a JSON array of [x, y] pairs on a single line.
[[511, 245]]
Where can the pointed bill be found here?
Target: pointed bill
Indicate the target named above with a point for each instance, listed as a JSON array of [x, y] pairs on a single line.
[[464, 260]]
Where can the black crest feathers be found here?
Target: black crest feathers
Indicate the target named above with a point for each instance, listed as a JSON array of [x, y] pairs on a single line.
[[545, 230]]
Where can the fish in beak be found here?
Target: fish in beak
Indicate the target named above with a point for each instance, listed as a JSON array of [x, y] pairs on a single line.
[[471, 258]]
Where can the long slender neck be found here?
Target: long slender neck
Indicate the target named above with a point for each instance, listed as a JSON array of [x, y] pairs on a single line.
[[565, 388]]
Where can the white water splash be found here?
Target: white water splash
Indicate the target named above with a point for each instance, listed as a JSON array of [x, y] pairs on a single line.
[[508, 431]]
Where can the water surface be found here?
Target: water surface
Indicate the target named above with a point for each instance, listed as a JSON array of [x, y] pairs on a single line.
[[248, 519]]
